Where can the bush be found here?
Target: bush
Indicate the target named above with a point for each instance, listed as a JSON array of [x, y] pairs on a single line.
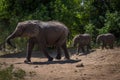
[[91, 29], [10, 73], [100, 16], [112, 24]]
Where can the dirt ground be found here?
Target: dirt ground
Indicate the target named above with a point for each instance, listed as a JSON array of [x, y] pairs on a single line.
[[97, 65]]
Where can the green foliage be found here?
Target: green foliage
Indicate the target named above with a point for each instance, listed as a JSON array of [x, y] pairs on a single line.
[[90, 28], [19, 74], [112, 22], [115, 5], [103, 30], [5, 74], [10, 73], [92, 16]]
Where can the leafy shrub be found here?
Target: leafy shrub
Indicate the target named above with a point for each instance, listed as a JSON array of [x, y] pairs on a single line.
[[10, 73], [70, 12], [112, 24], [90, 28]]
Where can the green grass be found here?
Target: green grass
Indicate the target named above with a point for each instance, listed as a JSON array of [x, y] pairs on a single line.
[[10, 73]]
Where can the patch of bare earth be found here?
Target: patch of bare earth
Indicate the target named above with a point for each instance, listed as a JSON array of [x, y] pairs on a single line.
[[97, 65]]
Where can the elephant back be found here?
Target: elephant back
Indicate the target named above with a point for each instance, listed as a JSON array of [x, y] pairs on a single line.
[[106, 38], [85, 39], [54, 33], [109, 38], [82, 39]]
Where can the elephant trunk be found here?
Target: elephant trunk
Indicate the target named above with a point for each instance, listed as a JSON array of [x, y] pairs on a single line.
[[74, 44], [97, 41], [12, 36], [8, 40]]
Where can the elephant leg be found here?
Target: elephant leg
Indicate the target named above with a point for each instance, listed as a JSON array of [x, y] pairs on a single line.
[[103, 45], [59, 53], [46, 54], [83, 50], [78, 49], [88, 47], [111, 46], [30, 46], [64, 47]]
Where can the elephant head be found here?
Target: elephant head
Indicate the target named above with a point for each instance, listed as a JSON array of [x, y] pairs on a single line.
[[24, 29], [99, 38], [76, 40]]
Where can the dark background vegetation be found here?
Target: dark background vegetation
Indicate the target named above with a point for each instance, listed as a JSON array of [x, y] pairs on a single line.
[[80, 16]]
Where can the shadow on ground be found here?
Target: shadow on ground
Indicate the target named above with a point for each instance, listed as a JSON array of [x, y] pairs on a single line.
[[39, 54], [23, 55], [55, 62], [74, 51]]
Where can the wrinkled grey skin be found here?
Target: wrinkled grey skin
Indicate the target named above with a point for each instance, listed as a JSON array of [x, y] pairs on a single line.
[[51, 33], [106, 40], [82, 41]]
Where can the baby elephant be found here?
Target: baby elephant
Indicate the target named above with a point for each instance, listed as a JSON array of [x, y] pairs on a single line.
[[106, 40], [82, 41]]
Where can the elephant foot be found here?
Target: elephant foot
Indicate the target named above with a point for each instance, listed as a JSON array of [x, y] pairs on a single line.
[[50, 59], [111, 48], [67, 58], [58, 57], [77, 53], [27, 61]]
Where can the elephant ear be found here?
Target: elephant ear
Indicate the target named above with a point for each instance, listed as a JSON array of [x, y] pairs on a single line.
[[31, 29]]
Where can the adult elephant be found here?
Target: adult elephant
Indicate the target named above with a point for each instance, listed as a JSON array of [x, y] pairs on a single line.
[[51, 33], [106, 40], [82, 41]]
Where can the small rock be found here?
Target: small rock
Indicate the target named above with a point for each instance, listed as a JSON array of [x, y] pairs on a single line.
[[51, 71], [85, 74], [36, 67], [76, 58], [80, 65], [76, 71]]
